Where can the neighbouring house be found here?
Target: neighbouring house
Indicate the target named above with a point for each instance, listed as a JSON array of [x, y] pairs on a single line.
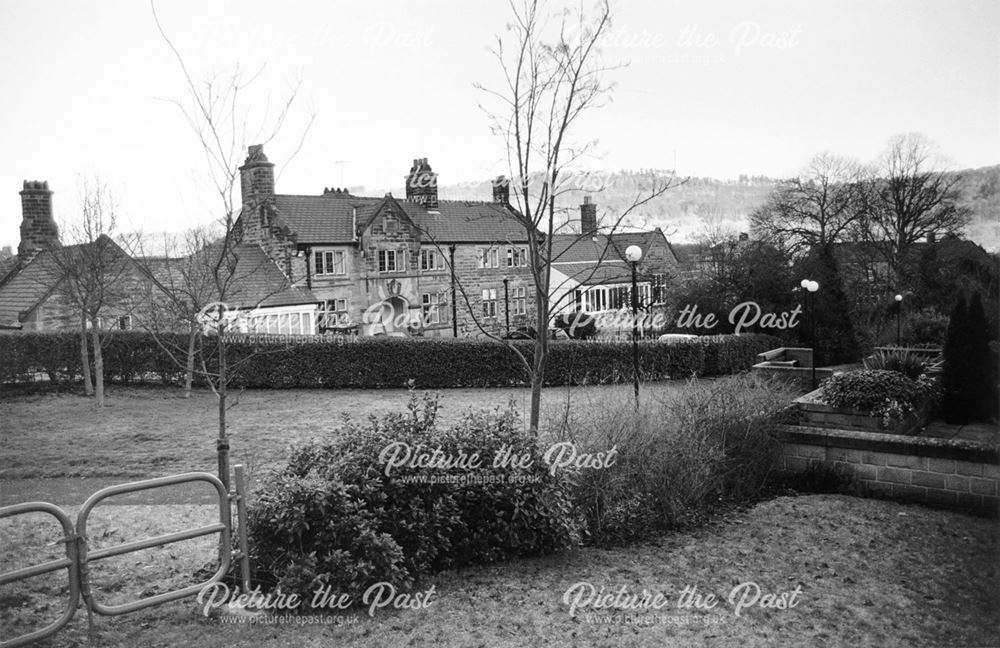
[[33, 295], [388, 265], [590, 271], [384, 265], [360, 265]]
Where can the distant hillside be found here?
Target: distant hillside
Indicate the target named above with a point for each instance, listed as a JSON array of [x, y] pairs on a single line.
[[681, 212], [687, 209]]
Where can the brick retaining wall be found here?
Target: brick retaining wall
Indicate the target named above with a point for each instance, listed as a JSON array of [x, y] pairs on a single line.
[[940, 472]]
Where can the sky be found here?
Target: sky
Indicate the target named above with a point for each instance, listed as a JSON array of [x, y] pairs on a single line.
[[712, 88]]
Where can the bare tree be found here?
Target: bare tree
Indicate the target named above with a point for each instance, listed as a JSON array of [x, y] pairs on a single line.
[[181, 287], [816, 208], [92, 274], [217, 114], [552, 76], [908, 199]]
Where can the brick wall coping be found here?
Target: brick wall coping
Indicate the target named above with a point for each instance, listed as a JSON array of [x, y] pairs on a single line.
[[960, 449]]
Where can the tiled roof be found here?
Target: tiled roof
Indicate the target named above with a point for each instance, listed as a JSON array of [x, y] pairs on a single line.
[[644, 240], [600, 258], [593, 274], [576, 248], [257, 281], [330, 219], [24, 288], [688, 252]]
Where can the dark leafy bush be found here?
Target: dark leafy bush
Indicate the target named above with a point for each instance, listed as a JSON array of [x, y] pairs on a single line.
[[333, 517], [967, 376], [827, 325], [925, 326], [866, 389], [878, 392]]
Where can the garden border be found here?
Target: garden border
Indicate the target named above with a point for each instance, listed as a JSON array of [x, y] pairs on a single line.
[[949, 473]]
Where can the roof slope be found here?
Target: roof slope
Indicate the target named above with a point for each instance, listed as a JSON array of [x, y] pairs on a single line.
[[259, 282], [331, 218], [24, 288], [600, 259]]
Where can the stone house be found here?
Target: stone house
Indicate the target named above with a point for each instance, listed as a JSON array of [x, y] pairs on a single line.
[[387, 265], [33, 284]]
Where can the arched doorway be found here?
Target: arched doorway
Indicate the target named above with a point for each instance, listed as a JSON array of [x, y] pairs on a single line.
[[396, 316]]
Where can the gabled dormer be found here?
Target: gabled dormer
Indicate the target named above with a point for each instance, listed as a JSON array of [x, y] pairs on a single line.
[[389, 238]]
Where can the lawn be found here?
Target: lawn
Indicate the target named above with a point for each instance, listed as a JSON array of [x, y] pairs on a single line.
[[151, 431], [869, 573], [863, 572]]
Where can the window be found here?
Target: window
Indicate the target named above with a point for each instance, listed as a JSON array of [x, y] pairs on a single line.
[[431, 260], [659, 288], [125, 322], [489, 257], [489, 302], [389, 224], [328, 262], [390, 261], [517, 257], [429, 306], [518, 300], [333, 313]]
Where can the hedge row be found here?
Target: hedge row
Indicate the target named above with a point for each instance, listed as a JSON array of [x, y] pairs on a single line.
[[380, 362]]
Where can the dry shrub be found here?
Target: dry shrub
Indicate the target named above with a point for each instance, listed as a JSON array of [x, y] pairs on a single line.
[[676, 458]]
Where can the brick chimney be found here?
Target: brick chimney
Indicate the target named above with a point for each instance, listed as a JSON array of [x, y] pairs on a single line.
[[38, 228], [588, 216], [421, 184], [257, 177], [501, 190]]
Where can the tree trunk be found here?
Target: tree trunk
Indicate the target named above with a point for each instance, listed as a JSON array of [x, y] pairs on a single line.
[[88, 385], [222, 443], [189, 367], [540, 357], [95, 336]]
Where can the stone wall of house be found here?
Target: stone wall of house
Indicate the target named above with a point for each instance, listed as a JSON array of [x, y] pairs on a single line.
[[931, 471]]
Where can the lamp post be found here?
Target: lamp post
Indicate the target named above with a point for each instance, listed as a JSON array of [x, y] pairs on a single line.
[[506, 303], [899, 313], [633, 254], [810, 286], [454, 295]]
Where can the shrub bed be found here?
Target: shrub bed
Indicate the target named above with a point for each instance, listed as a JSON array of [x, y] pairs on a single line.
[[885, 394], [335, 517], [380, 362], [676, 459], [343, 515]]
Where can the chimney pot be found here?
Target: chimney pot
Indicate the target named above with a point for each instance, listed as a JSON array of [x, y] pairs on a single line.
[[38, 227], [588, 216], [421, 184]]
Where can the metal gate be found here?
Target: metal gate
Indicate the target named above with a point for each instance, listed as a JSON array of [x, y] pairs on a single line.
[[78, 557]]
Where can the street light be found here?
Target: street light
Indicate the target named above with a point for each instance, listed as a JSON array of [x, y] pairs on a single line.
[[506, 302], [633, 254], [899, 312], [810, 286]]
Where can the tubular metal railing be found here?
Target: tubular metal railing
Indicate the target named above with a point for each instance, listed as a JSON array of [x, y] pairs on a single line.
[[79, 557]]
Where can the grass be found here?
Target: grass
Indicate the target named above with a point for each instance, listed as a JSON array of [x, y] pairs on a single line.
[[870, 573], [151, 431]]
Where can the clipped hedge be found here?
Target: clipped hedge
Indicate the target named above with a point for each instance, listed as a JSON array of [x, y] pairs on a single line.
[[430, 363]]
